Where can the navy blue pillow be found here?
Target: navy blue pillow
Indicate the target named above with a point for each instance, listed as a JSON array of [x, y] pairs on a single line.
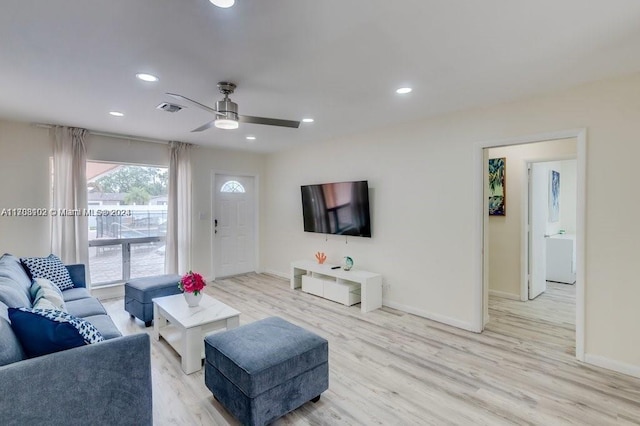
[[44, 331]]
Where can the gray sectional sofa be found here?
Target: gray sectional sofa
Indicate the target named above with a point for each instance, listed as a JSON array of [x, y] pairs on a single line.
[[105, 383]]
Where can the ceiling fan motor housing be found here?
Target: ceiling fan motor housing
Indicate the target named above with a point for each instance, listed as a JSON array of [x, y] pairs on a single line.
[[228, 108]]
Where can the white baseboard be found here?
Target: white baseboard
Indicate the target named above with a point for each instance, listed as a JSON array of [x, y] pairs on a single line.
[[409, 309], [108, 292], [610, 364], [504, 295], [435, 317], [277, 274]]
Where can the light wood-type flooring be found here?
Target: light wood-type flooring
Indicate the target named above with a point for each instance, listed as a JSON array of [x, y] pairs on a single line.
[[388, 367]]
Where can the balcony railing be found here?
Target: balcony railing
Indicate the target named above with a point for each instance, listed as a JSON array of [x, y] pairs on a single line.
[[115, 260], [127, 246]]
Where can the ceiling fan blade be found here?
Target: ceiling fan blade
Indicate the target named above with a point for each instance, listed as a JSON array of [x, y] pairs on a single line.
[[204, 126], [269, 121], [194, 103]]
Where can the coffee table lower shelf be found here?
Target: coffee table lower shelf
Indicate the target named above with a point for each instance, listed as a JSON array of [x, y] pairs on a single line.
[[185, 328]]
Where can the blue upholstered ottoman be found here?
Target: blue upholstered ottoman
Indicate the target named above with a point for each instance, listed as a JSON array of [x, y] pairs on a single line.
[[139, 292], [263, 370]]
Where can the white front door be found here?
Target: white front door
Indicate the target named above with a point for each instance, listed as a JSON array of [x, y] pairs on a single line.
[[538, 204], [233, 222]]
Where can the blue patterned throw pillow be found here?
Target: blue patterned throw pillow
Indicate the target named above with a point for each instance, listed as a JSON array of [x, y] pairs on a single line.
[[51, 268], [44, 331]]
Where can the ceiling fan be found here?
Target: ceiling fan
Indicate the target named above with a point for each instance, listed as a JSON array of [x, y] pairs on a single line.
[[226, 112]]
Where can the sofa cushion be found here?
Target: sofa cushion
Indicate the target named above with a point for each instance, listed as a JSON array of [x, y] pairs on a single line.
[[10, 348], [75, 294], [50, 267], [105, 326], [10, 267], [44, 331], [43, 289], [12, 294], [85, 307]]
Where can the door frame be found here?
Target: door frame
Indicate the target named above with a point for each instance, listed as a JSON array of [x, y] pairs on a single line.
[[256, 215], [481, 218]]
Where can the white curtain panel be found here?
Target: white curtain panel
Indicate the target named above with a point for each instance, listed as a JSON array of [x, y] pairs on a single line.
[[69, 234], [178, 244]]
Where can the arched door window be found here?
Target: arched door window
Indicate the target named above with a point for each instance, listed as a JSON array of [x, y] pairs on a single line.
[[232, 186]]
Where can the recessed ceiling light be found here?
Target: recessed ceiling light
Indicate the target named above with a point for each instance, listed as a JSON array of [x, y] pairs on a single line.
[[404, 90], [251, 138], [307, 120], [116, 113], [223, 3], [147, 77]]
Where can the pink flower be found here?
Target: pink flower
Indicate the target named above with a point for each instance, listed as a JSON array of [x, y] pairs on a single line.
[[192, 282]]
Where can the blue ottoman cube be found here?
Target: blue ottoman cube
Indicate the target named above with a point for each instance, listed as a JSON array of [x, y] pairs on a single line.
[[139, 292], [263, 370]]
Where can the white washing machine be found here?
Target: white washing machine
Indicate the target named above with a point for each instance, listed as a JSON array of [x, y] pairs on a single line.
[[561, 258]]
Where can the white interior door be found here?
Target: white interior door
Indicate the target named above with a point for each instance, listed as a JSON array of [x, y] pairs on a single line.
[[234, 236], [538, 206]]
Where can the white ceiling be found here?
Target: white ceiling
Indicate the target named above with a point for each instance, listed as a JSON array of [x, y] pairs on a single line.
[[71, 62]]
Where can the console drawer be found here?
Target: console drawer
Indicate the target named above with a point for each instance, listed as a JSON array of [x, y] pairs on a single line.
[[313, 285]]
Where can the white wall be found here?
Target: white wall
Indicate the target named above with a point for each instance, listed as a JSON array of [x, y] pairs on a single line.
[[505, 232], [423, 181], [24, 182]]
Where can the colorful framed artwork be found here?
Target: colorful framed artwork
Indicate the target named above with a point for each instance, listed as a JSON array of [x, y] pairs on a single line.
[[497, 188], [554, 196]]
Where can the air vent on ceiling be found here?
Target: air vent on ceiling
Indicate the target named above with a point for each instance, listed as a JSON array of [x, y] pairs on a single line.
[[166, 106]]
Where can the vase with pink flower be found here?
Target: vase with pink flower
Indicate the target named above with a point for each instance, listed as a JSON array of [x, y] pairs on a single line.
[[192, 285]]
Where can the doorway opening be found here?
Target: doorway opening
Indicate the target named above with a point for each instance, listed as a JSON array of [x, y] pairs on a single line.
[[550, 231], [506, 266]]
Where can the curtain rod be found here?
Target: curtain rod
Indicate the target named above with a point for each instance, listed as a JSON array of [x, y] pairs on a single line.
[[109, 135]]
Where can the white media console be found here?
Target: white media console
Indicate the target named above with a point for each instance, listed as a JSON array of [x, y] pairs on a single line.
[[346, 287]]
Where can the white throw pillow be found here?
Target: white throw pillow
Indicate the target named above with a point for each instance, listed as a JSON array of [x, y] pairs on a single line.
[[46, 294]]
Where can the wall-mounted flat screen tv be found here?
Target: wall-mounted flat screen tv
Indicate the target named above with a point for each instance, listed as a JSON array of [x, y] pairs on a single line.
[[340, 208]]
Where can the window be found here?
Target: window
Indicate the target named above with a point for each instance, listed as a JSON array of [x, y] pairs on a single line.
[[127, 221], [232, 186]]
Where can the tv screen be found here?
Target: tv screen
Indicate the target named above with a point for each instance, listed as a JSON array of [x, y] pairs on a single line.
[[337, 208]]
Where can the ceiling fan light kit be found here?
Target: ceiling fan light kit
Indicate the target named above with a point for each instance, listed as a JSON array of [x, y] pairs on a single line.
[[226, 124], [223, 3], [226, 112]]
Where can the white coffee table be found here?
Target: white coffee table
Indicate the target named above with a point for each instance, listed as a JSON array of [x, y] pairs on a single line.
[[184, 327]]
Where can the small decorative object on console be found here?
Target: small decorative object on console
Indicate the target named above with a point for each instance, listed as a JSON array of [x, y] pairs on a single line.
[[321, 257], [192, 284], [348, 263]]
